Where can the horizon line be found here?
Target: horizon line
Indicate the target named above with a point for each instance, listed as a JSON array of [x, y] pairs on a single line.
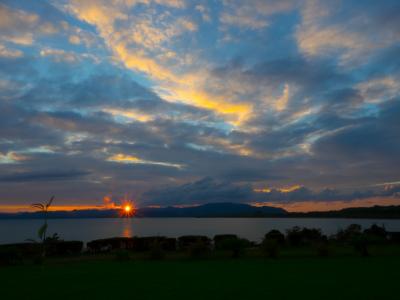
[[298, 206]]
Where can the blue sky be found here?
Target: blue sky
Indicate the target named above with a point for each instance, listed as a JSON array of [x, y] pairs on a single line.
[[182, 102]]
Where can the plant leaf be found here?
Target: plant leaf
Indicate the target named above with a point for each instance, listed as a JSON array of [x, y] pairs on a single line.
[[42, 231], [38, 206], [50, 201]]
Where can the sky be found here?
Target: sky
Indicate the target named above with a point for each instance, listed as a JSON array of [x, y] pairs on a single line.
[[177, 102]]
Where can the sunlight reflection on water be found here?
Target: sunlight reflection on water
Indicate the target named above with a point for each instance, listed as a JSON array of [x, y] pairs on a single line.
[[127, 229]]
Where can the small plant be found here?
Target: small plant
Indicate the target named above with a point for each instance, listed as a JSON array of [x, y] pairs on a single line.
[[42, 232]]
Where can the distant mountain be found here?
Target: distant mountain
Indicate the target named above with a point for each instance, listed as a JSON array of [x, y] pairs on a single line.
[[203, 211], [374, 212], [214, 210]]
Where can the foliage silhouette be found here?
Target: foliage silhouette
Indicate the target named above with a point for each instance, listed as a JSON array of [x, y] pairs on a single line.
[[275, 235], [42, 232], [304, 236], [156, 251], [236, 246]]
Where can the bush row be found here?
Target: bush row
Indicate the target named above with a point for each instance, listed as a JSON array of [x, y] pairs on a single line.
[[197, 245], [15, 253]]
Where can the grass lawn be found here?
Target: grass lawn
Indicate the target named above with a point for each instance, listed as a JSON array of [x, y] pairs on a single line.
[[285, 278]]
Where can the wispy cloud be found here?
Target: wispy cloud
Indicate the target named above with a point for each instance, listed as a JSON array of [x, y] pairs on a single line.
[[130, 159]]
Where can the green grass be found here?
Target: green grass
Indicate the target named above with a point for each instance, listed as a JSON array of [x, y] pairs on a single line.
[[285, 278]]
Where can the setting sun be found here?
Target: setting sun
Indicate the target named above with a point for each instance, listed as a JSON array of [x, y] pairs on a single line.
[[128, 208]]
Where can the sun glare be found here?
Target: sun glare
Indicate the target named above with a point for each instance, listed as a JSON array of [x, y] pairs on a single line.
[[127, 210]]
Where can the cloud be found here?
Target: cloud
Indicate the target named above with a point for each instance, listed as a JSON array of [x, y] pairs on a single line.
[[148, 93], [252, 14], [130, 159], [379, 89], [155, 34], [208, 190], [204, 12], [44, 176], [11, 157], [205, 190], [16, 25], [282, 101], [325, 29], [60, 55], [9, 53], [21, 27]]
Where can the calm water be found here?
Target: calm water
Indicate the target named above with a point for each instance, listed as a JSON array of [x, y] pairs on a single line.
[[12, 231]]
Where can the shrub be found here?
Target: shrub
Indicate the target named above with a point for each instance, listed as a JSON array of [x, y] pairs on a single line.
[[169, 244], [138, 244], [105, 245], [349, 234], [13, 253], [219, 240], [9, 255], [156, 251], [62, 248], [376, 234], [294, 236], [305, 236], [143, 244], [360, 244], [270, 248], [235, 245], [186, 241], [198, 249], [275, 235]]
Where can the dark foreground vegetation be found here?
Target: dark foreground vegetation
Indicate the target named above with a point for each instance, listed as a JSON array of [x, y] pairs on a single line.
[[244, 278], [352, 241], [300, 264]]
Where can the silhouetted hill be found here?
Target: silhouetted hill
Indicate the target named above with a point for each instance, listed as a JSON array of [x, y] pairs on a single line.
[[374, 212], [206, 210], [214, 210]]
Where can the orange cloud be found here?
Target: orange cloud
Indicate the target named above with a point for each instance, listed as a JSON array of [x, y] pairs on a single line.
[[135, 50], [12, 157], [130, 159], [282, 190], [282, 101]]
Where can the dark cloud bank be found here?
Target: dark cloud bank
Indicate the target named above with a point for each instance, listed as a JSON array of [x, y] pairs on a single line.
[[210, 190]]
